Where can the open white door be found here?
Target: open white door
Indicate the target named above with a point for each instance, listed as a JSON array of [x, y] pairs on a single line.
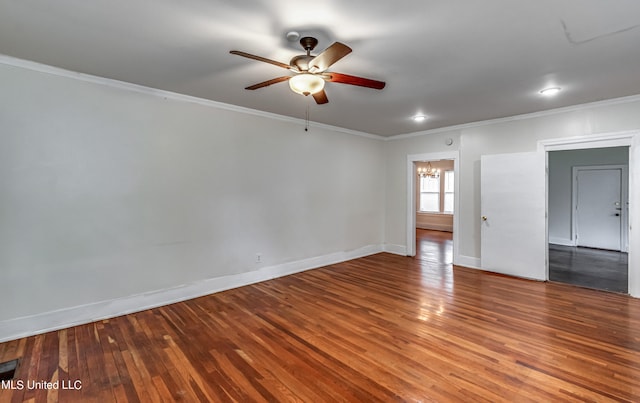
[[513, 214]]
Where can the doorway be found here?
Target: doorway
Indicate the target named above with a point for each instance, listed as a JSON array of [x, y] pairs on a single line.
[[435, 197], [413, 186], [588, 217]]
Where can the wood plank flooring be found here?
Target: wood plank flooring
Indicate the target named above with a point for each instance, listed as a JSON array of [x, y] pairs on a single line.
[[379, 328], [586, 267]]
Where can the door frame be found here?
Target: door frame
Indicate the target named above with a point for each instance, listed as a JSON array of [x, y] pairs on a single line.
[[411, 196], [629, 139], [624, 191]]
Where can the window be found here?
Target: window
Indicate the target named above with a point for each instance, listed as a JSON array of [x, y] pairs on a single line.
[[430, 194], [448, 192], [437, 194]]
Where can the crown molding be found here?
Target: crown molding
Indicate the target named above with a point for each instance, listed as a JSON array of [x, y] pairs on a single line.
[[57, 71], [123, 85], [549, 112]]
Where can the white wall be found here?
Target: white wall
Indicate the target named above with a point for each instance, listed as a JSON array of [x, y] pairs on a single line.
[[518, 134], [110, 195], [560, 185], [107, 193]]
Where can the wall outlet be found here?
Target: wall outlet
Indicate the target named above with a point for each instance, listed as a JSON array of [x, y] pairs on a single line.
[[258, 257]]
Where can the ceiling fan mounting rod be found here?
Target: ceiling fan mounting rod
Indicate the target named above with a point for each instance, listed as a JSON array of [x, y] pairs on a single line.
[[308, 43]]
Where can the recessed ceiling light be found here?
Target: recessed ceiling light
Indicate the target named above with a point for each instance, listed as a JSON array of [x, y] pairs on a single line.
[[419, 118], [549, 92]]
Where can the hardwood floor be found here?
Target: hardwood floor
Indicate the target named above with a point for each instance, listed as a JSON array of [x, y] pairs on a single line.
[[586, 267], [379, 328]]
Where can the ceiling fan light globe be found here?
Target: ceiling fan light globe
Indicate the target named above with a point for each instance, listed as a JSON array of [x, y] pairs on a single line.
[[306, 84]]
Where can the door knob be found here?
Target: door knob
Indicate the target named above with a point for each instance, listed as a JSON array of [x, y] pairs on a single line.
[[484, 218]]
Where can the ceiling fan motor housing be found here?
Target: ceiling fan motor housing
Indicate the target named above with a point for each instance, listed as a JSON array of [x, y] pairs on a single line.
[[301, 62]]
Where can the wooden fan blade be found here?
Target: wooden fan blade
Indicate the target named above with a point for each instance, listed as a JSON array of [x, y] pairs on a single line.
[[320, 97], [260, 58], [329, 56], [268, 82], [354, 80]]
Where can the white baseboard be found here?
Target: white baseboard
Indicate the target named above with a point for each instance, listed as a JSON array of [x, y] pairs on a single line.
[[561, 241], [436, 227], [12, 329], [467, 261], [475, 263], [396, 249]]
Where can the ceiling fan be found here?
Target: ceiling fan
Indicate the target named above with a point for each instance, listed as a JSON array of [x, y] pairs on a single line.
[[310, 72]]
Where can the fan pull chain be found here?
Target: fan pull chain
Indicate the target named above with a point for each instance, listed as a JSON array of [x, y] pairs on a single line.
[[306, 120]]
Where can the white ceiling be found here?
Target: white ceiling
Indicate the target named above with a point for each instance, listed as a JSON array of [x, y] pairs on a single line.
[[457, 61]]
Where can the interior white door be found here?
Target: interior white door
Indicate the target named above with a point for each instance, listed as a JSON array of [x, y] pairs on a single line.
[[599, 208], [513, 239]]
